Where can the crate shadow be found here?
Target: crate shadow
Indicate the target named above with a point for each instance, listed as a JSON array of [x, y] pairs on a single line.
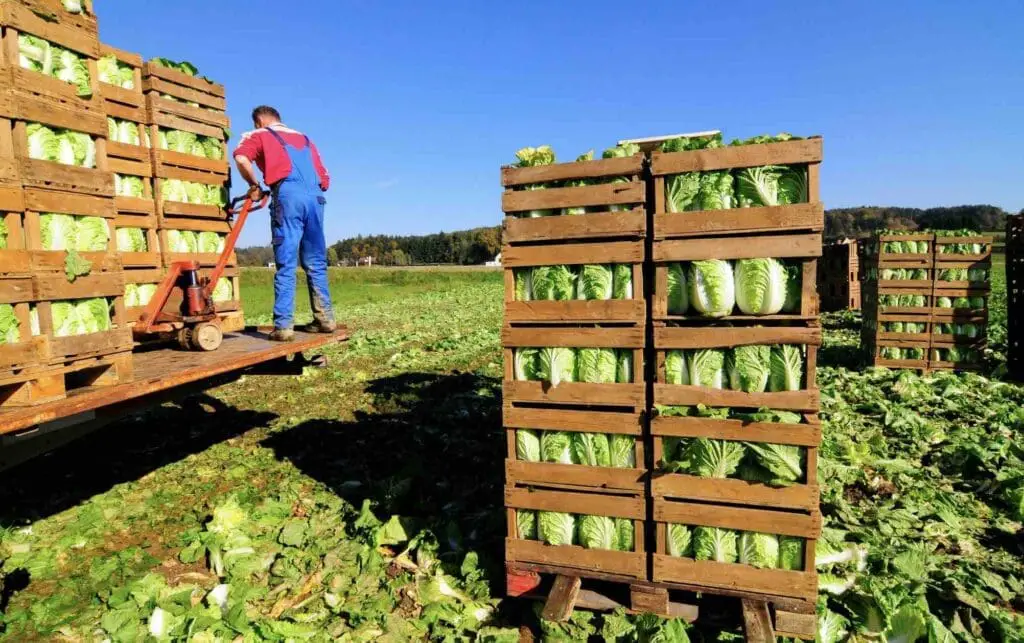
[[121, 452], [432, 451]]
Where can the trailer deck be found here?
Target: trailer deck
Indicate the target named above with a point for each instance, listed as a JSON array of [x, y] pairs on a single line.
[[161, 373]]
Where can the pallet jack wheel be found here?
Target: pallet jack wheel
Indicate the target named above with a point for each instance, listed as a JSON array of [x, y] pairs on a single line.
[[185, 338], [207, 337]]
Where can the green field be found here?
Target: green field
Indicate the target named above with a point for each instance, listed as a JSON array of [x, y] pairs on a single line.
[[362, 501]]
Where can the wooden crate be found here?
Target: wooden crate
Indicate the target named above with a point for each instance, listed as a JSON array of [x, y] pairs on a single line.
[[16, 19], [573, 559], [151, 257], [839, 276], [55, 9], [668, 338], [171, 211], [804, 247], [206, 259], [628, 199], [98, 181], [570, 397], [166, 163], [769, 585], [575, 254], [1015, 296], [115, 96], [801, 217], [158, 81], [55, 287], [39, 202]]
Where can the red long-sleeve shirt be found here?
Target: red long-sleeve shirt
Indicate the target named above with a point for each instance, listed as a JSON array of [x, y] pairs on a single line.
[[261, 148]]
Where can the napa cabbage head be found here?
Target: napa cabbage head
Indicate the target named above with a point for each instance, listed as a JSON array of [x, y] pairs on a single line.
[[527, 445], [92, 234], [624, 366], [596, 365], [712, 287], [680, 541], [556, 446], [526, 524], [554, 283], [556, 528], [759, 550], [10, 332], [678, 293], [748, 368], [622, 281], [595, 282], [709, 458], [58, 231], [591, 449], [598, 532], [784, 462], [223, 291], [556, 365], [524, 284], [525, 364], [622, 451], [787, 365], [211, 242], [131, 240], [715, 544], [706, 367], [761, 286], [677, 370]]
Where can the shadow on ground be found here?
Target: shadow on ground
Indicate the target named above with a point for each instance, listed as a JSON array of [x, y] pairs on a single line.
[[432, 450], [121, 452]]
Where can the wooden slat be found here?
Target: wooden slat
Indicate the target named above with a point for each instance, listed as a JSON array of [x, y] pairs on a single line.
[[189, 161], [157, 116], [195, 225], [675, 337], [583, 226], [737, 492], [186, 174], [576, 310], [739, 156], [598, 504], [127, 166], [782, 523], [599, 168], [573, 254], [124, 110], [185, 111], [779, 246], [796, 625], [590, 195], [44, 201], [757, 622], [708, 575], [571, 420], [134, 205], [45, 110], [97, 284], [55, 176], [628, 337], [136, 153], [575, 393], [589, 562], [107, 342], [53, 261], [806, 400], [804, 435], [16, 289], [173, 75], [174, 208], [12, 198], [126, 57], [32, 352], [203, 97], [597, 478], [802, 216], [562, 600]]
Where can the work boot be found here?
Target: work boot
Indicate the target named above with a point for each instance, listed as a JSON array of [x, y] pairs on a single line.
[[282, 335], [320, 326]]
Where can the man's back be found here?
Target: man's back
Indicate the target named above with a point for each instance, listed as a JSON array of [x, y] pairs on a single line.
[[263, 148]]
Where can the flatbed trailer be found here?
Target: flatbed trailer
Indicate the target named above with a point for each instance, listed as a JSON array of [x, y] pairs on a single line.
[[161, 373]]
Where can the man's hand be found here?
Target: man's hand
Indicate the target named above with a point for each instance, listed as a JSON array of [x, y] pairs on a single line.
[[255, 193]]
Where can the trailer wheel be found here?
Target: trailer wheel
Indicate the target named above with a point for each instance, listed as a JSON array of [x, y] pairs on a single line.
[[207, 337]]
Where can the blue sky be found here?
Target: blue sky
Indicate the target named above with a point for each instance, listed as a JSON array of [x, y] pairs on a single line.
[[415, 105]]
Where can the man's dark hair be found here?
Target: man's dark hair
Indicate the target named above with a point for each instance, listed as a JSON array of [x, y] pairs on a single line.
[[265, 110]]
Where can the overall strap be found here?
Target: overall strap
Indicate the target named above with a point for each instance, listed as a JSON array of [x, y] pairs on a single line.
[[280, 139]]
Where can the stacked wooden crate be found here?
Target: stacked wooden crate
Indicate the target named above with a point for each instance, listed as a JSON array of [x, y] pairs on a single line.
[[692, 507], [35, 191], [1015, 295], [561, 493], [926, 299], [176, 101], [839, 276], [898, 299]]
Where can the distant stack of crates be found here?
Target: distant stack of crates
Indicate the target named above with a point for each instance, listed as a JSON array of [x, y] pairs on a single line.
[[1015, 295], [592, 335], [47, 352], [926, 300], [839, 276]]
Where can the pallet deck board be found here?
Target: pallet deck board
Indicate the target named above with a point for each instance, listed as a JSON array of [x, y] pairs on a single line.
[[167, 368]]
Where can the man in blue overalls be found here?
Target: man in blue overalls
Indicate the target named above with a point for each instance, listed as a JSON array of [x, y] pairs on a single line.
[[297, 178]]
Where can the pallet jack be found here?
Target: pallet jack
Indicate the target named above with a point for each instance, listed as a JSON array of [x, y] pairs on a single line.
[[196, 324]]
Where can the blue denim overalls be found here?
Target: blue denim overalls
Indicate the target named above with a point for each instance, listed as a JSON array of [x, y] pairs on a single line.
[[297, 228]]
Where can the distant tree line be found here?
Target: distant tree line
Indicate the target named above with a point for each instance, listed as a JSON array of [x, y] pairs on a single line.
[[476, 246]]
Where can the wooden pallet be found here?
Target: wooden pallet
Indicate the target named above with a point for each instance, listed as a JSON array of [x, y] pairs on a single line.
[[629, 197], [33, 387], [1015, 296], [575, 254], [115, 96]]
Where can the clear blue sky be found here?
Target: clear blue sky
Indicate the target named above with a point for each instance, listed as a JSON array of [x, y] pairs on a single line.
[[415, 105]]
